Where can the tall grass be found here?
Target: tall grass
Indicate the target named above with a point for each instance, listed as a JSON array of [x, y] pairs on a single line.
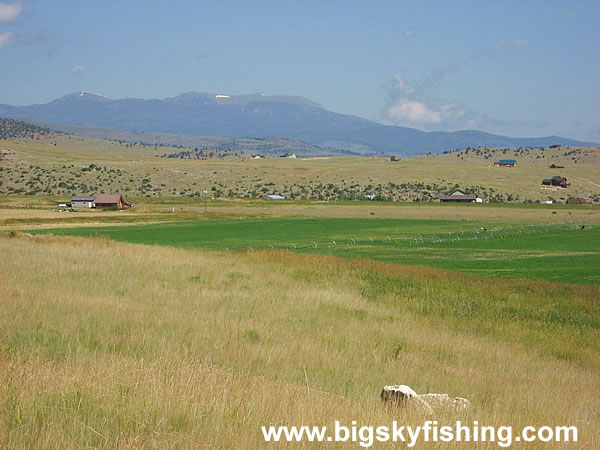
[[108, 344]]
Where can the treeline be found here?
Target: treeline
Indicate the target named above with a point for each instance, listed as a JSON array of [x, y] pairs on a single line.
[[17, 129], [203, 154]]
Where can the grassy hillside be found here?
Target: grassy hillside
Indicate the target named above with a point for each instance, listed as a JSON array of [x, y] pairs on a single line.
[[112, 344], [72, 166]]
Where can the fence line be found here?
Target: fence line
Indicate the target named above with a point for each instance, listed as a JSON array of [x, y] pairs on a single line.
[[456, 236]]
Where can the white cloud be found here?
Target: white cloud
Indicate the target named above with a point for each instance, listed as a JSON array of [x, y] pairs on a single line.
[[451, 110], [409, 33], [7, 38], [9, 12], [78, 68], [411, 104], [413, 112], [408, 106], [571, 13]]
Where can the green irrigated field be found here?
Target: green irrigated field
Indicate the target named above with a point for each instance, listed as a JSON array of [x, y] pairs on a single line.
[[557, 253], [221, 234], [562, 256]]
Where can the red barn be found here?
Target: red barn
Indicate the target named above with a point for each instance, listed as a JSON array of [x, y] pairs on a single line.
[[109, 201]]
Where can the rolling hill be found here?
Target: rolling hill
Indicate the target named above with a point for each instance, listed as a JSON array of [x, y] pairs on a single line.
[[267, 146]]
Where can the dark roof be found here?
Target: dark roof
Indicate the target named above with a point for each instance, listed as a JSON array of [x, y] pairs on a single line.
[[578, 201], [82, 199], [108, 198], [459, 197]]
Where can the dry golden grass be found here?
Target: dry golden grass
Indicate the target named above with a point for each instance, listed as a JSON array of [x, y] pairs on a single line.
[[112, 345], [50, 164], [432, 211]]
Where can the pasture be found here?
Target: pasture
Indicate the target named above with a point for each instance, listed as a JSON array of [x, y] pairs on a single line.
[[564, 253]]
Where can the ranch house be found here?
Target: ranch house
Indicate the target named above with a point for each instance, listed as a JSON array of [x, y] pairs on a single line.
[[506, 163], [555, 181], [110, 201], [458, 197]]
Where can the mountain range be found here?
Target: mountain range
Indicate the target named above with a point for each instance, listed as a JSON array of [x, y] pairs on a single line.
[[260, 115]]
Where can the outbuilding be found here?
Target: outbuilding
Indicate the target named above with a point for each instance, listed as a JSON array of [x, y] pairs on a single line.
[[458, 197], [82, 202], [274, 197]]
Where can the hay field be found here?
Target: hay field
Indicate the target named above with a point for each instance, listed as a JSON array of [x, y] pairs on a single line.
[[110, 344], [567, 253]]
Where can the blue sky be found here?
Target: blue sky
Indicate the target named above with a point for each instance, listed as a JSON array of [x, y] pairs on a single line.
[[519, 68]]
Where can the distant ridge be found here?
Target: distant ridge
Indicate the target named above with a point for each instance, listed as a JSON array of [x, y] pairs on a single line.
[[259, 116], [267, 146]]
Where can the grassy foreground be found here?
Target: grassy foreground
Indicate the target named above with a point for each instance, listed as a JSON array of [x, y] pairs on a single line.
[[111, 344]]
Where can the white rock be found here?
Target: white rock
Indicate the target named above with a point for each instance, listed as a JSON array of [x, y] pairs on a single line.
[[402, 395], [445, 402]]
